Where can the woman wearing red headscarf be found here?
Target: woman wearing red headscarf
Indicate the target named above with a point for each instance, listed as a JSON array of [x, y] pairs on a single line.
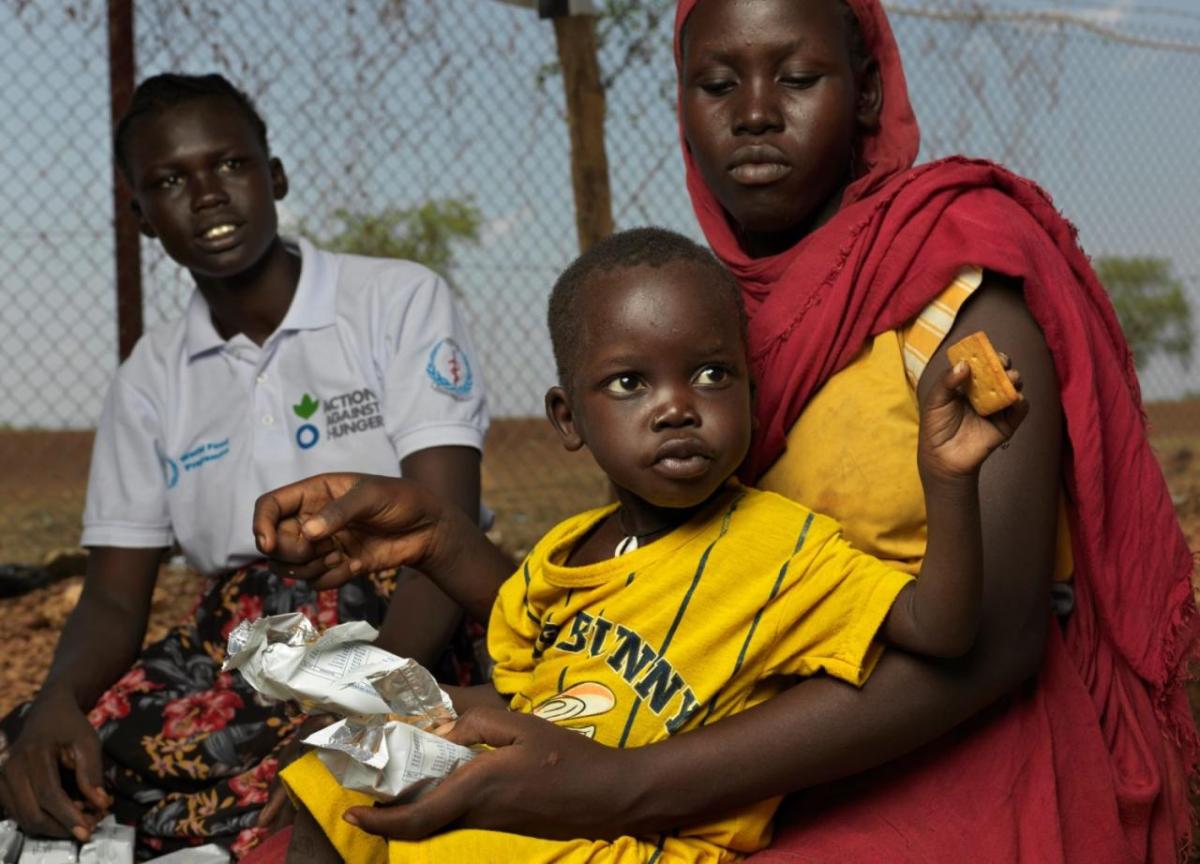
[[1061, 738]]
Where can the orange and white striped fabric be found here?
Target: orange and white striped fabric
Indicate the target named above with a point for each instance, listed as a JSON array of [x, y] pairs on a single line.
[[925, 334]]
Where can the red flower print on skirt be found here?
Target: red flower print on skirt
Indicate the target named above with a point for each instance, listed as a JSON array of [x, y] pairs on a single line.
[[253, 786], [246, 840], [201, 713], [249, 608], [113, 704], [327, 609]]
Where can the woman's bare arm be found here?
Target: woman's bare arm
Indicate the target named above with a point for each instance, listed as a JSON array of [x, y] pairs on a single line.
[[98, 644]]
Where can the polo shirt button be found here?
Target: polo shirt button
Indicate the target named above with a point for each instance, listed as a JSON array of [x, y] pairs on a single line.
[[267, 420], [262, 378]]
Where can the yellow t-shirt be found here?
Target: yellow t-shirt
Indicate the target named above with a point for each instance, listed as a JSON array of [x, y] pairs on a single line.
[[852, 453], [707, 621]]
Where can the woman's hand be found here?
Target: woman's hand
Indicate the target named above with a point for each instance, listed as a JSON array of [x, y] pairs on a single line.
[[56, 735], [330, 528], [541, 779]]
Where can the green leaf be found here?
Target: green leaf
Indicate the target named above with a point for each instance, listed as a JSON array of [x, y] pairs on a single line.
[[308, 406]]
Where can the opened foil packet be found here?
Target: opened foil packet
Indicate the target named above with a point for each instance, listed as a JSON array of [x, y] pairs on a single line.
[[283, 656], [386, 758], [380, 748]]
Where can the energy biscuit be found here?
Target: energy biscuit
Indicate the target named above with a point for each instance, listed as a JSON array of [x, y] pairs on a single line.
[[989, 389]]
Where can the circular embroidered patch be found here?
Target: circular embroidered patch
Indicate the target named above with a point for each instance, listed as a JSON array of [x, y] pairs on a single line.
[[449, 369]]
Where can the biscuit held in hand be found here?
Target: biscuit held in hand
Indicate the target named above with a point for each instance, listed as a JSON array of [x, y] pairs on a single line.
[[989, 389]]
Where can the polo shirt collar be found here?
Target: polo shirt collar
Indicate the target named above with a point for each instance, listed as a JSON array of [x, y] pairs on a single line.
[[314, 304]]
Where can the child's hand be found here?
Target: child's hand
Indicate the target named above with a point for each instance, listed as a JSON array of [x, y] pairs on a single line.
[[954, 439], [332, 527]]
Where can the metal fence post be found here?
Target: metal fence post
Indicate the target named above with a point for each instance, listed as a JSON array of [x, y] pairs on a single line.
[[125, 229]]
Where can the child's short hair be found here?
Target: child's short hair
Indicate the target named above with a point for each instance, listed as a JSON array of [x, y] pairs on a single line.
[[160, 92], [652, 247]]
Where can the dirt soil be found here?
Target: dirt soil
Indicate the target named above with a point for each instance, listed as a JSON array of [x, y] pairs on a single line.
[[528, 479]]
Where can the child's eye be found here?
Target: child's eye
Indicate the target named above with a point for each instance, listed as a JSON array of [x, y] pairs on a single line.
[[624, 384], [711, 376], [230, 164], [168, 182]]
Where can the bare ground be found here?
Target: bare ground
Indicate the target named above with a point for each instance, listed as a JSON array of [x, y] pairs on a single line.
[[528, 479]]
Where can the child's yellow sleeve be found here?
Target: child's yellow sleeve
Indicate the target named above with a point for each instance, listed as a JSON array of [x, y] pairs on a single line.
[[830, 606], [512, 632]]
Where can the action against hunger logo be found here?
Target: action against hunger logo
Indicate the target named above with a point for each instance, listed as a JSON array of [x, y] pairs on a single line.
[[345, 414]]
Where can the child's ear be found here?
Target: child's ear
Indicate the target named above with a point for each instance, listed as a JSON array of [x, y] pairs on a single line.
[[143, 226], [279, 181], [870, 97], [558, 409]]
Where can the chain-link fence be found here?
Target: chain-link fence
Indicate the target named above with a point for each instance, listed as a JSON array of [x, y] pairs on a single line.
[[380, 105]]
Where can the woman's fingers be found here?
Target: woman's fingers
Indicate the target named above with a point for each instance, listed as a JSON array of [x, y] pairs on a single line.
[[89, 771], [58, 812], [433, 811]]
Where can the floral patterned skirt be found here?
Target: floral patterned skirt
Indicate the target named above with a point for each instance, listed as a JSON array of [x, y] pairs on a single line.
[[190, 751]]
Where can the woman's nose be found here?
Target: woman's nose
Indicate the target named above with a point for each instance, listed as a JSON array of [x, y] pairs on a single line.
[[757, 108], [207, 191]]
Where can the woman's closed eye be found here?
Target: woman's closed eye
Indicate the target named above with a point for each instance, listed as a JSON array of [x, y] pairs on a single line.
[[624, 384], [799, 81], [716, 88]]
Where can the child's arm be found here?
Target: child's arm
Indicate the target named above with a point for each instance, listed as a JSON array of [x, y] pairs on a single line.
[[938, 614], [334, 526]]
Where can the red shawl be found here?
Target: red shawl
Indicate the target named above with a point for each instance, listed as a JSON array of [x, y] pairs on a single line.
[[1093, 763]]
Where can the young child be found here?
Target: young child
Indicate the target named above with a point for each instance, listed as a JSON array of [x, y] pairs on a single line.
[[691, 598], [288, 361]]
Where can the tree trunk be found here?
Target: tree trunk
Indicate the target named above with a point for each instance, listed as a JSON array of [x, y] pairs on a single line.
[[576, 37]]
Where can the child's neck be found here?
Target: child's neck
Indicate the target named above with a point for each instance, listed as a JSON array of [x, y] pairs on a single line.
[[638, 518], [255, 301]]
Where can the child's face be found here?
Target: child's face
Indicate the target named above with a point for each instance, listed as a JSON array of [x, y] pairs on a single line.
[[204, 186], [770, 108], [660, 391]]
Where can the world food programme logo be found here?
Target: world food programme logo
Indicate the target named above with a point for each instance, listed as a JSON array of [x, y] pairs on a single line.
[[450, 370]]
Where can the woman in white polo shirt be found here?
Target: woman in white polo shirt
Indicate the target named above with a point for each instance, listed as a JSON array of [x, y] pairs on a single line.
[[289, 361]]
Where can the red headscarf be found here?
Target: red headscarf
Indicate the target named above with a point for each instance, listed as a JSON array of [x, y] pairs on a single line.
[[899, 237]]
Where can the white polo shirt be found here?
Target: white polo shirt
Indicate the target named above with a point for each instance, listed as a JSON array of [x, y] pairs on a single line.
[[371, 363]]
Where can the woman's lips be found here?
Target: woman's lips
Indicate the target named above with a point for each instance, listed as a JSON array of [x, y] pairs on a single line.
[[759, 173], [758, 164]]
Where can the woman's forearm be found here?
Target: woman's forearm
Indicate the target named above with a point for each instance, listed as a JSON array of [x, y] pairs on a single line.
[[820, 730], [102, 635]]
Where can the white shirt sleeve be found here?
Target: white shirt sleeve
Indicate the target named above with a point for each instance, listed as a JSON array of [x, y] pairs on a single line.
[[127, 484], [433, 387]]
